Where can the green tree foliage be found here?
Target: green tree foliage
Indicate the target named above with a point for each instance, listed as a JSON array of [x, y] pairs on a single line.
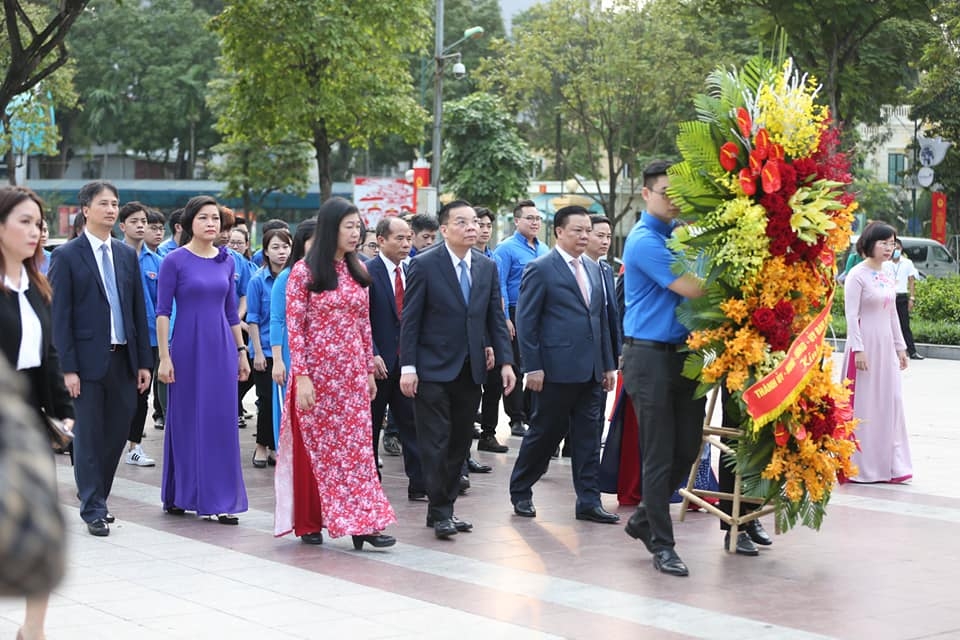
[[320, 71], [143, 70], [254, 170], [603, 86], [32, 52], [860, 51], [485, 161]]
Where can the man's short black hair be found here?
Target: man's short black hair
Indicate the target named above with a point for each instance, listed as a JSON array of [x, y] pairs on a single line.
[[155, 217], [520, 205], [483, 212], [131, 208], [425, 222], [90, 190], [174, 219], [560, 217], [653, 171], [599, 218]]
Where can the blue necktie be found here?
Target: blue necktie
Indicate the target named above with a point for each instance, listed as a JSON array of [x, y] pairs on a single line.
[[464, 282], [113, 297]]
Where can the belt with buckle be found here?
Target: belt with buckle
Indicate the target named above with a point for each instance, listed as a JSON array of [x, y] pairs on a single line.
[[117, 347], [653, 344]]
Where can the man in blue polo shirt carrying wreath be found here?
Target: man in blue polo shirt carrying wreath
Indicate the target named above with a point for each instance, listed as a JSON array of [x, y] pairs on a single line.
[[654, 350]]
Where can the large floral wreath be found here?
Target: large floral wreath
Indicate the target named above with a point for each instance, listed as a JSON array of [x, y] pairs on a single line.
[[762, 177]]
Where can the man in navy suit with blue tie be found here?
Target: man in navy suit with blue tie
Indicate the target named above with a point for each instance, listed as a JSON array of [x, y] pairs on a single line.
[[601, 233], [387, 294], [100, 331], [453, 331], [567, 355]]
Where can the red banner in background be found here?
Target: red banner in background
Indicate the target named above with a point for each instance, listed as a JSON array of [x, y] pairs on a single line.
[[938, 217]]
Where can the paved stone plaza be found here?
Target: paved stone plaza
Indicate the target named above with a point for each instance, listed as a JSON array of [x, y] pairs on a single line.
[[882, 567]]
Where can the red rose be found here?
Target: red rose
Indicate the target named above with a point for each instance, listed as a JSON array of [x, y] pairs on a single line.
[[784, 312], [764, 320], [779, 338]]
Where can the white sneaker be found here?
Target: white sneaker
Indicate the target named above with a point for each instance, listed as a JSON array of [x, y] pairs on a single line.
[[137, 457]]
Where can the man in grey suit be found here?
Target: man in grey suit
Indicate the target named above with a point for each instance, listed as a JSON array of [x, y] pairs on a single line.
[[453, 331], [100, 331], [567, 355]]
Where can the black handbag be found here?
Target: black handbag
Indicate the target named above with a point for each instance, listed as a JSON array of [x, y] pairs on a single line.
[[31, 523]]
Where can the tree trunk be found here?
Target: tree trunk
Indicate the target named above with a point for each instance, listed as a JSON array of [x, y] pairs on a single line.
[[9, 157], [321, 144]]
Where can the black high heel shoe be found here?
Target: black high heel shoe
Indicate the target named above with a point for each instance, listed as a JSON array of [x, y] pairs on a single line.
[[377, 540], [174, 510]]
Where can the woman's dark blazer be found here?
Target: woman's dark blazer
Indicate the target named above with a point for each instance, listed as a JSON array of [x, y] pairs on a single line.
[[54, 398]]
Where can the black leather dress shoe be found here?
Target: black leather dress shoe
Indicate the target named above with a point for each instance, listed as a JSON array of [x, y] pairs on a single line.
[[517, 428], [98, 528], [378, 540], [110, 519], [598, 514], [444, 528], [638, 527], [464, 484], [916, 356], [416, 495], [745, 546], [667, 561], [755, 530], [312, 538], [461, 526], [491, 444], [175, 511], [525, 508], [476, 466]]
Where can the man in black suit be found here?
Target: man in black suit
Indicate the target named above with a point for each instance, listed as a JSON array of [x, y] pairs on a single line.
[[566, 352], [598, 244], [387, 293], [100, 331], [453, 331]]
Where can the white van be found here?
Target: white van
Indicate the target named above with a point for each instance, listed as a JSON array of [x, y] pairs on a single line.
[[929, 256]]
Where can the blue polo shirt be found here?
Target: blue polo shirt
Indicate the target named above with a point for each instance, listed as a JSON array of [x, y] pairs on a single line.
[[166, 247], [651, 308], [243, 270], [512, 256], [149, 274], [257, 258], [258, 307]]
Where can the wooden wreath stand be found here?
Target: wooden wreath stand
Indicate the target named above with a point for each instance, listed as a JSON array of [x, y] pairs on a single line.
[[690, 494]]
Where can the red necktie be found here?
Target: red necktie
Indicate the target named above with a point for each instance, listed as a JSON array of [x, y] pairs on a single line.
[[398, 291]]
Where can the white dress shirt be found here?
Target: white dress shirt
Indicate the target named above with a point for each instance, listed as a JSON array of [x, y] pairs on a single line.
[[95, 244], [31, 334]]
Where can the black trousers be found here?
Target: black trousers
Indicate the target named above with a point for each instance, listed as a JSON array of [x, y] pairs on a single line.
[[490, 402], [401, 408], [671, 429], [140, 414], [104, 410], [444, 413], [903, 314], [263, 381], [517, 404], [571, 410]]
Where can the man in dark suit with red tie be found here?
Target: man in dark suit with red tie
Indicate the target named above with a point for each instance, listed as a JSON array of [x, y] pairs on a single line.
[[567, 357], [100, 331], [453, 331], [387, 293]]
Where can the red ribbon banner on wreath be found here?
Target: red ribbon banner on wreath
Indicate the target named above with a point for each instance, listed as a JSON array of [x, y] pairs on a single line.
[[771, 395]]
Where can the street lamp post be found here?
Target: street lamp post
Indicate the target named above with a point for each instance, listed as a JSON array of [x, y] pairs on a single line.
[[441, 55]]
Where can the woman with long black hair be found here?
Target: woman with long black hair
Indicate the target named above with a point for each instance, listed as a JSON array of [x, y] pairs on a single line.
[[26, 332], [327, 473]]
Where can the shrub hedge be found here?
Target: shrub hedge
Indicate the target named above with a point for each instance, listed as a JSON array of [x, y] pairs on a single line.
[[936, 312]]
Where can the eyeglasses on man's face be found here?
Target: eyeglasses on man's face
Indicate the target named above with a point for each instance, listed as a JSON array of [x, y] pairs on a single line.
[[372, 245]]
